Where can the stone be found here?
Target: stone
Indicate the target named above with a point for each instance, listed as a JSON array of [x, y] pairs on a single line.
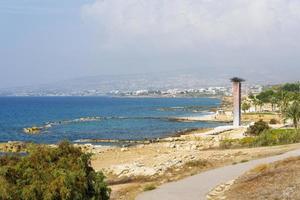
[[124, 149], [32, 130]]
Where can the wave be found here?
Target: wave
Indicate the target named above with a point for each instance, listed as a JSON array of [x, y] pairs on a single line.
[[193, 109], [47, 125]]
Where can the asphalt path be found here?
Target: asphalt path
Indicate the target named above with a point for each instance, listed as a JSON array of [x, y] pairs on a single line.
[[196, 187]]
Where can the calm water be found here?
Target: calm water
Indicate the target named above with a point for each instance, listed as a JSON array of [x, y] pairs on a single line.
[[109, 118]]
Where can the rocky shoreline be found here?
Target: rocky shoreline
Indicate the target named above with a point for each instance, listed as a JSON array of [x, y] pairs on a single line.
[[164, 159]]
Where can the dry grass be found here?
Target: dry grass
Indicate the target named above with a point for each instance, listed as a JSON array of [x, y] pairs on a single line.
[[264, 116], [278, 180], [149, 187], [128, 187]]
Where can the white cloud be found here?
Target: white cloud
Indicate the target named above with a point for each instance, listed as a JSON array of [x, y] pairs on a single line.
[[196, 23], [219, 36]]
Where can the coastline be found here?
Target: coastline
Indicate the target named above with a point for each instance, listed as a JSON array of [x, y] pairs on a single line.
[[129, 169], [45, 126], [152, 159]]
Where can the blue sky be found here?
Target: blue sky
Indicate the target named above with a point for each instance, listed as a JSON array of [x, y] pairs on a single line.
[[52, 40]]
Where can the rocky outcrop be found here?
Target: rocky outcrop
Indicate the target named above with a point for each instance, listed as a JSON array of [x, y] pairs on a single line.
[[140, 169], [132, 169], [218, 192], [32, 130], [13, 146], [90, 148]]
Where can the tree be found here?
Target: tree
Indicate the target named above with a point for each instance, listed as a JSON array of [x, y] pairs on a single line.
[[260, 104], [62, 173], [284, 100], [265, 96], [254, 101], [258, 128], [273, 101], [245, 106], [293, 112], [291, 87]]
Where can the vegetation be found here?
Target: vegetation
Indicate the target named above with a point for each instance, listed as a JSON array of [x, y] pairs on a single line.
[[278, 96], [257, 128], [277, 180], [245, 106], [149, 187], [293, 112], [273, 121], [266, 138], [62, 173], [277, 137], [285, 99]]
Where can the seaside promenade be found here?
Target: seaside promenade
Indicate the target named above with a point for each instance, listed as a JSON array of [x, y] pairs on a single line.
[[198, 186]]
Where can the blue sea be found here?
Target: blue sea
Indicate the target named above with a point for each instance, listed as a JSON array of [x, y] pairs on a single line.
[[77, 118]]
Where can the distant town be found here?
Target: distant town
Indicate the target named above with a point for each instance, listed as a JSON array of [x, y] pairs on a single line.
[[174, 92]]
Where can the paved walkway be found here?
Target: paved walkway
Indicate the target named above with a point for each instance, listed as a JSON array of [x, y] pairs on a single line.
[[196, 187]]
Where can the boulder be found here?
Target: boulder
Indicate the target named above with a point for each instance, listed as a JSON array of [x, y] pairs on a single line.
[[32, 130]]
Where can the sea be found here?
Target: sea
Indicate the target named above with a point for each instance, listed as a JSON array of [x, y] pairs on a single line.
[[82, 118]]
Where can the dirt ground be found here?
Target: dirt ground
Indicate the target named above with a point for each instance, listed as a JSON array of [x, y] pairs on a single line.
[[278, 180], [127, 186]]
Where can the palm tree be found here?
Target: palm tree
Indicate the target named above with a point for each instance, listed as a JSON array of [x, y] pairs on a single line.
[[254, 101], [273, 102], [260, 104], [245, 106], [293, 112], [284, 101]]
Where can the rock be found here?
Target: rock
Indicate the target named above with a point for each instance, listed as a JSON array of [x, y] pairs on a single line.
[[32, 130], [171, 145], [15, 146], [133, 169], [124, 149]]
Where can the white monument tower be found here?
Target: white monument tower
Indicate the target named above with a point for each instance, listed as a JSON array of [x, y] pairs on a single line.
[[236, 92]]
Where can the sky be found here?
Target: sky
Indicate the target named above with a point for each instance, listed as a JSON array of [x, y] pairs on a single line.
[[52, 40]]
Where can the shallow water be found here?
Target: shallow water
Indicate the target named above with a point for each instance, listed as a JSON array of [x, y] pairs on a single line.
[[75, 118]]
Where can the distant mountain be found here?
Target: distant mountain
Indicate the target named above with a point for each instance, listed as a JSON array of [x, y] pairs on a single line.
[[166, 80], [106, 83]]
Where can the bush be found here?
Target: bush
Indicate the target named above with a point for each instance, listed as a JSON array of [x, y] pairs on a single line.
[[237, 143], [257, 128], [149, 187], [62, 173], [277, 137], [273, 121], [267, 138], [247, 141], [230, 143]]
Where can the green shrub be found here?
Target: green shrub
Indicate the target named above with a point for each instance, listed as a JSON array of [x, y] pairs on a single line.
[[62, 173], [229, 143], [247, 141], [236, 143], [198, 163], [273, 121], [277, 137], [257, 128], [267, 138], [149, 187]]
